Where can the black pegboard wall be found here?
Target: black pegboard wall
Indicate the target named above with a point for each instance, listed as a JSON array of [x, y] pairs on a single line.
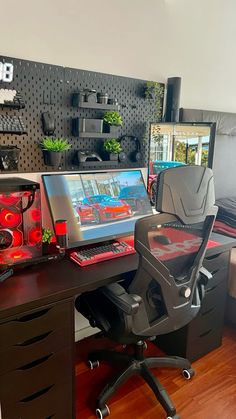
[[47, 87]]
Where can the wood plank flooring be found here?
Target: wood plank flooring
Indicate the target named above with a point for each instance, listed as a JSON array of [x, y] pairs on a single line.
[[211, 394]]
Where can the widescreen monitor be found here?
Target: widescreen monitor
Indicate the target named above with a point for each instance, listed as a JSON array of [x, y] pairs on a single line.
[[98, 206]]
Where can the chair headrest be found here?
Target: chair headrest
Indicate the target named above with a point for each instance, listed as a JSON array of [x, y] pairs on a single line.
[[187, 192]]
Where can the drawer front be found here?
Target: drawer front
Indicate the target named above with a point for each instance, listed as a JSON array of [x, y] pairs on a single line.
[[216, 294], [19, 355], [29, 379], [34, 324], [202, 345], [53, 402], [217, 262], [211, 319]]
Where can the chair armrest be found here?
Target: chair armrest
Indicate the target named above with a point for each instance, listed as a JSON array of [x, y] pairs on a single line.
[[205, 275], [129, 303]]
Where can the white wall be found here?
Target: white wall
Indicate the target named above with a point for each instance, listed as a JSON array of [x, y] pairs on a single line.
[[150, 39]]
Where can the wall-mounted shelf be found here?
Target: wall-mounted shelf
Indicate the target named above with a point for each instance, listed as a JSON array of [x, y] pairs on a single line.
[[99, 164], [101, 106], [95, 135], [76, 103]]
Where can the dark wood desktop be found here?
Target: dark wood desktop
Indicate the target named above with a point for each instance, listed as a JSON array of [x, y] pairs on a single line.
[[37, 328]]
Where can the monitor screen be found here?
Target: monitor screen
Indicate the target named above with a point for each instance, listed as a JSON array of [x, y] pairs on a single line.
[[97, 206]]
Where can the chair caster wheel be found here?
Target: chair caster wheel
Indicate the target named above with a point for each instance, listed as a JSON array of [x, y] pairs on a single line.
[[93, 364], [188, 374], [102, 413], [144, 346]]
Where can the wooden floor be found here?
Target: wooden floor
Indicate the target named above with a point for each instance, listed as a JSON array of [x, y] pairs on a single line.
[[211, 394]]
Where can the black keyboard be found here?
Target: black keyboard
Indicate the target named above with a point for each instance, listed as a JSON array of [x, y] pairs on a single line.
[[11, 98], [100, 253], [12, 124]]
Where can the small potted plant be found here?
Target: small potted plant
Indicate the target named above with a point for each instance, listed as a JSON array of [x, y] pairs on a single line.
[[112, 121], [52, 149], [113, 148], [47, 235]]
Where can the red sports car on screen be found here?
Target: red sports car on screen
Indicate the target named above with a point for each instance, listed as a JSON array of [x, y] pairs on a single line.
[[106, 208], [85, 213]]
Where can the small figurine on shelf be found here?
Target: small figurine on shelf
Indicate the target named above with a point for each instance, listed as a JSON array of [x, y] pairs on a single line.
[[47, 236], [113, 148], [112, 121], [52, 149]]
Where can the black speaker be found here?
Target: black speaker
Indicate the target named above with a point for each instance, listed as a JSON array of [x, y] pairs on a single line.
[[172, 99]]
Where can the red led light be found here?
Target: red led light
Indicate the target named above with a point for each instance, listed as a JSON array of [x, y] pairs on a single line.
[[35, 214], [8, 199], [19, 254], [61, 228], [35, 236], [9, 218], [17, 238]]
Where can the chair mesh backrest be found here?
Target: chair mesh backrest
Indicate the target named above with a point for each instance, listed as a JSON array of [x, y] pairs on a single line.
[[171, 249], [187, 192]]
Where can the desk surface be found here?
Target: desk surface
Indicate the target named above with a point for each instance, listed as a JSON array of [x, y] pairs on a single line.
[[57, 280]]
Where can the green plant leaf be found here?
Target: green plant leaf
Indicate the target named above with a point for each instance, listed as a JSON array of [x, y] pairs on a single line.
[[55, 144], [112, 118], [112, 146], [47, 235]]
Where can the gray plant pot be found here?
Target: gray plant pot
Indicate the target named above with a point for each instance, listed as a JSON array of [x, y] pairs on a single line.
[[111, 129], [113, 156]]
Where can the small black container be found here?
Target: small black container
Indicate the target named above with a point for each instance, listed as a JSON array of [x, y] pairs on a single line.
[[52, 158], [9, 157], [90, 96], [102, 98], [112, 101], [111, 129]]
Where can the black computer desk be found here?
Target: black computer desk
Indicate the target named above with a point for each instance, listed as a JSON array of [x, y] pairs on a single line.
[[37, 328]]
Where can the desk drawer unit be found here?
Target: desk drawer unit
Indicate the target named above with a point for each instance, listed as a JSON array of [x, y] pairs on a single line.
[[204, 333], [37, 364]]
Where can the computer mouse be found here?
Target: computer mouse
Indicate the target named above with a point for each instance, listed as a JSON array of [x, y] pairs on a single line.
[[48, 123], [162, 239]]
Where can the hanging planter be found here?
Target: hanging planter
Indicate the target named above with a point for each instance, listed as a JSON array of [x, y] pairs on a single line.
[[52, 149], [9, 157], [111, 122], [52, 158]]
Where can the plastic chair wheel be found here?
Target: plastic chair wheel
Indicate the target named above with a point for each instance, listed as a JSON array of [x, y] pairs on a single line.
[[145, 346], [102, 413], [188, 374], [93, 364]]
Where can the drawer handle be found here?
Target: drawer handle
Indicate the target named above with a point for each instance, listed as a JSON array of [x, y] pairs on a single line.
[[34, 315], [36, 395], [211, 289], [207, 311], [205, 333], [213, 256], [34, 340], [34, 363], [215, 271]]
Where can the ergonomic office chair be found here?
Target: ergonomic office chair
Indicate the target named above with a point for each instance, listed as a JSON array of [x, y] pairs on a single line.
[[168, 287]]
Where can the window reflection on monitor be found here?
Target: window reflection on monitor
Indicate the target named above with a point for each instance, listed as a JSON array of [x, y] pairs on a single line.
[[174, 144], [97, 206]]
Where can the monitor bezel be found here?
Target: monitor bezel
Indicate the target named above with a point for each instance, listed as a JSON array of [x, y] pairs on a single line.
[[102, 239]]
